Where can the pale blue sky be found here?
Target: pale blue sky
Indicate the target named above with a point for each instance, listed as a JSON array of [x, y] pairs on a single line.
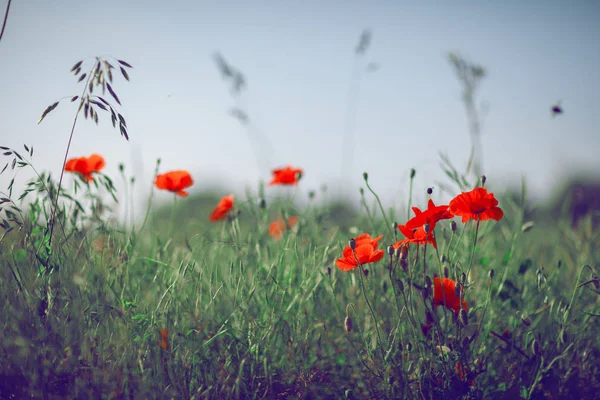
[[297, 58]]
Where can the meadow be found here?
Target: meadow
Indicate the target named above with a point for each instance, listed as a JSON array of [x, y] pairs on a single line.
[[258, 297]]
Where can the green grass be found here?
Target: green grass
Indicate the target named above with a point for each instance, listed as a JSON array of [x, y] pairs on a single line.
[[250, 317]]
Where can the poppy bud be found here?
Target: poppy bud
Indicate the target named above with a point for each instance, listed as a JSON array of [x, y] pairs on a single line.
[[121, 167], [362, 191], [463, 317], [352, 243], [348, 324], [526, 320], [457, 290], [311, 194], [395, 225], [400, 285], [463, 277], [404, 265], [409, 346], [446, 271], [427, 281], [429, 191], [483, 179], [491, 274], [366, 272], [453, 226], [412, 173], [263, 204], [365, 176], [426, 228], [404, 252], [390, 251]]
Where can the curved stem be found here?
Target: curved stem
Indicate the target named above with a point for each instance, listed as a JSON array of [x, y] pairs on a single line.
[[5, 19], [62, 171]]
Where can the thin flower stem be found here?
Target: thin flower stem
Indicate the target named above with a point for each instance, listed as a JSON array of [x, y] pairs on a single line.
[[362, 286], [474, 246], [387, 222], [5, 19], [62, 171], [425, 259], [410, 191], [362, 197], [172, 219]]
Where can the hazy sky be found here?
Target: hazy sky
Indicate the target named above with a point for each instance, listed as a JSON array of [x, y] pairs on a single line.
[[298, 60]]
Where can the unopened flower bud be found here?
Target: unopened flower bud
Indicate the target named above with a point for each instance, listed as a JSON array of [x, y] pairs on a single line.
[[348, 324], [483, 179], [446, 271], [365, 176], [409, 346], [263, 204], [366, 272], [352, 243], [453, 226], [457, 290], [491, 274], [426, 228], [526, 320], [429, 191], [390, 251], [404, 252], [412, 173], [463, 277]]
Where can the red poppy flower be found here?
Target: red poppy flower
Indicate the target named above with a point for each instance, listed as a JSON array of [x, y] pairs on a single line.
[[432, 215], [286, 176], [415, 228], [222, 208], [477, 204], [444, 294], [84, 166], [278, 227], [366, 251], [174, 181], [416, 236]]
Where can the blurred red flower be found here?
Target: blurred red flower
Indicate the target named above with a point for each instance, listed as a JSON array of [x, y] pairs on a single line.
[[174, 181], [278, 227], [84, 166], [222, 208], [286, 176]]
